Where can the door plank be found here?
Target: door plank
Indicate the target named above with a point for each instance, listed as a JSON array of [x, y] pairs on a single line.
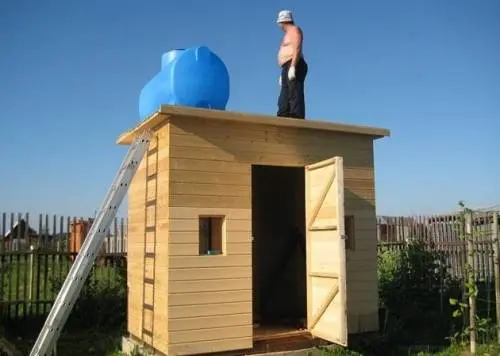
[[326, 260], [333, 293]]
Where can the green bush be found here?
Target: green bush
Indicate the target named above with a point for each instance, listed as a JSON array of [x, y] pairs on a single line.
[[102, 301], [414, 289]]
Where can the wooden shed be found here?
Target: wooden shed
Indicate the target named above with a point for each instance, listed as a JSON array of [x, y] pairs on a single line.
[[246, 227]]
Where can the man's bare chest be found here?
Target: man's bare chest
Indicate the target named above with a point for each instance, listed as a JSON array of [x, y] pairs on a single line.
[[285, 41]]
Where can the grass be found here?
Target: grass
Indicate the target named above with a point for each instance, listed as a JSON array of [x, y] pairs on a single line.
[[336, 352], [79, 343], [482, 350], [455, 350]]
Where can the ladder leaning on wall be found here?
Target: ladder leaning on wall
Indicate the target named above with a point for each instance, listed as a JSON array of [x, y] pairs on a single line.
[[46, 342]]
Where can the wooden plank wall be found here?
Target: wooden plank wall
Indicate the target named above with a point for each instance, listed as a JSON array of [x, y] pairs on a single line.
[[148, 246], [210, 168], [135, 248], [210, 301], [210, 297]]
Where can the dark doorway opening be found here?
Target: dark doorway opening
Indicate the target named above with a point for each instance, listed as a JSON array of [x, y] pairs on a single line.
[[278, 256]]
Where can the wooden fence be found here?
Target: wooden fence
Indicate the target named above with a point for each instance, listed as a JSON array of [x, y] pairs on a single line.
[[18, 232], [36, 253], [446, 234]]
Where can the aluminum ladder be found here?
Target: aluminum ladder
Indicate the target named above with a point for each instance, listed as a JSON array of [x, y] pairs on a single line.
[[45, 344]]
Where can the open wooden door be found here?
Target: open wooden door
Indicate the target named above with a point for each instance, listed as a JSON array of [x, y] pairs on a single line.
[[326, 260]]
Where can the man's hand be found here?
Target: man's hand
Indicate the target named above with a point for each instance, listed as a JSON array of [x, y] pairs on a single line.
[[291, 73]]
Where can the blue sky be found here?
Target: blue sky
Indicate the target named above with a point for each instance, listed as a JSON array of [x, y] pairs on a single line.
[[429, 70]]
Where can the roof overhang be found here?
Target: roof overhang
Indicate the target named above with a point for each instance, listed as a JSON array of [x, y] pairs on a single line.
[[167, 112]]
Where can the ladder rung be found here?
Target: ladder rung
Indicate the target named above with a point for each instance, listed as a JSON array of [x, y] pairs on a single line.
[[153, 151], [323, 228], [324, 275]]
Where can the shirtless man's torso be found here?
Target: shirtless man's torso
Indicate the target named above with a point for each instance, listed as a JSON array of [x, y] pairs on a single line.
[[287, 49]]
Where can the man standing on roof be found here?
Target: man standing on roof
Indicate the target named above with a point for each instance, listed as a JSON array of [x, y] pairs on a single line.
[[293, 68]]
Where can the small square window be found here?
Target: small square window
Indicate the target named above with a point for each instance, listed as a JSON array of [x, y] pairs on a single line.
[[211, 235], [350, 232]]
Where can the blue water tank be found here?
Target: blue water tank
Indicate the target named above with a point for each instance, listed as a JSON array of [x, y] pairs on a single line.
[[194, 77]]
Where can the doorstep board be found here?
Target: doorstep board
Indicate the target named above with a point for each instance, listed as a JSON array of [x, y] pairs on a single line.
[[296, 343]]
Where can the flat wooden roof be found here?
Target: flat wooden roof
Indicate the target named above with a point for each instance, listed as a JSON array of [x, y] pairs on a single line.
[[168, 111]]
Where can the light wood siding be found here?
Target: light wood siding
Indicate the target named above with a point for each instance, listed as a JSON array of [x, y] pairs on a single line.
[[210, 297], [210, 300], [160, 335], [135, 249], [210, 165], [148, 208]]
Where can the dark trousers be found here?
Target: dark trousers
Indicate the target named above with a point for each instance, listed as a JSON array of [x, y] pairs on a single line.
[[291, 100]]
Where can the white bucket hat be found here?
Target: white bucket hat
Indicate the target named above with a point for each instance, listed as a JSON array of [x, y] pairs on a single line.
[[285, 16]]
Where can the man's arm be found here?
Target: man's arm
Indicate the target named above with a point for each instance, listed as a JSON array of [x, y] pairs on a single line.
[[296, 41]]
